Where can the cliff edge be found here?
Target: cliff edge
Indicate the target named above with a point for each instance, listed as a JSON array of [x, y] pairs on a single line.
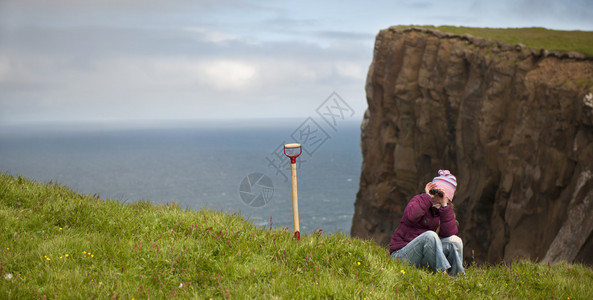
[[514, 124]]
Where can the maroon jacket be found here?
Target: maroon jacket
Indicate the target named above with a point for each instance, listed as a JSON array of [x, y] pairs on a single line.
[[419, 217]]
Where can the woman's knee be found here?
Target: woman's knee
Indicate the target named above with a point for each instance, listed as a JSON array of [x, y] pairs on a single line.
[[431, 235], [455, 239]]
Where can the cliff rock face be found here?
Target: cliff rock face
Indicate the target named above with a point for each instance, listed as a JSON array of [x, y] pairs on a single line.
[[515, 125]]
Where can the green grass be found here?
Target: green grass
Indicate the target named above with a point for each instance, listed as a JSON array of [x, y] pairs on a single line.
[[58, 244], [533, 37]]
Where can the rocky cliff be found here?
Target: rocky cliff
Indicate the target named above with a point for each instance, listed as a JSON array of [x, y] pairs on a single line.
[[515, 125]]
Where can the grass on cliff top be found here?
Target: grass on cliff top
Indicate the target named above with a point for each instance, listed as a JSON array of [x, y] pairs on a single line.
[[533, 37], [57, 244]]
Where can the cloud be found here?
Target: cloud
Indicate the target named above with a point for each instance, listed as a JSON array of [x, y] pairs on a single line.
[[565, 15], [258, 81], [224, 74], [107, 5], [345, 35], [70, 59], [5, 68], [221, 74], [209, 35]]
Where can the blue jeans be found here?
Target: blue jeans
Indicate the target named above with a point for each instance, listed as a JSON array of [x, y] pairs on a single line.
[[428, 249]]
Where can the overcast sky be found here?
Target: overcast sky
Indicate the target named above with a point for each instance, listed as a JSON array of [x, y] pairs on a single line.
[[91, 60]]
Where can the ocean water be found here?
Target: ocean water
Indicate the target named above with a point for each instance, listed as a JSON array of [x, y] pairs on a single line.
[[235, 167]]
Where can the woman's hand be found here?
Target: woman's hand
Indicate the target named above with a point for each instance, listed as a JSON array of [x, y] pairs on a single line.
[[429, 186], [437, 201]]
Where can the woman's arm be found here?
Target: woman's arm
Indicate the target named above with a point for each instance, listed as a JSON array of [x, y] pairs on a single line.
[[417, 207], [448, 224]]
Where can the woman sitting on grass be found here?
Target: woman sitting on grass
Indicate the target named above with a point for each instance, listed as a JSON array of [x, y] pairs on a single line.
[[427, 232]]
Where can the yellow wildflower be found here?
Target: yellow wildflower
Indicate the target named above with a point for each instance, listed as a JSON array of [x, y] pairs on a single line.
[[358, 263], [403, 272]]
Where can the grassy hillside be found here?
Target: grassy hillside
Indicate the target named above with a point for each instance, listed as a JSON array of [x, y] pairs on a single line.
[[55, 243], [535, 37]]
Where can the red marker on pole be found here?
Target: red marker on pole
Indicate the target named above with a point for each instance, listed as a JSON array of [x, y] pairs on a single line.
[[295, 198]]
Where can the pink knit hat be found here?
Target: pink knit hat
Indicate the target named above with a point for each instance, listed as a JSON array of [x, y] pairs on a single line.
[[447, 182]]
